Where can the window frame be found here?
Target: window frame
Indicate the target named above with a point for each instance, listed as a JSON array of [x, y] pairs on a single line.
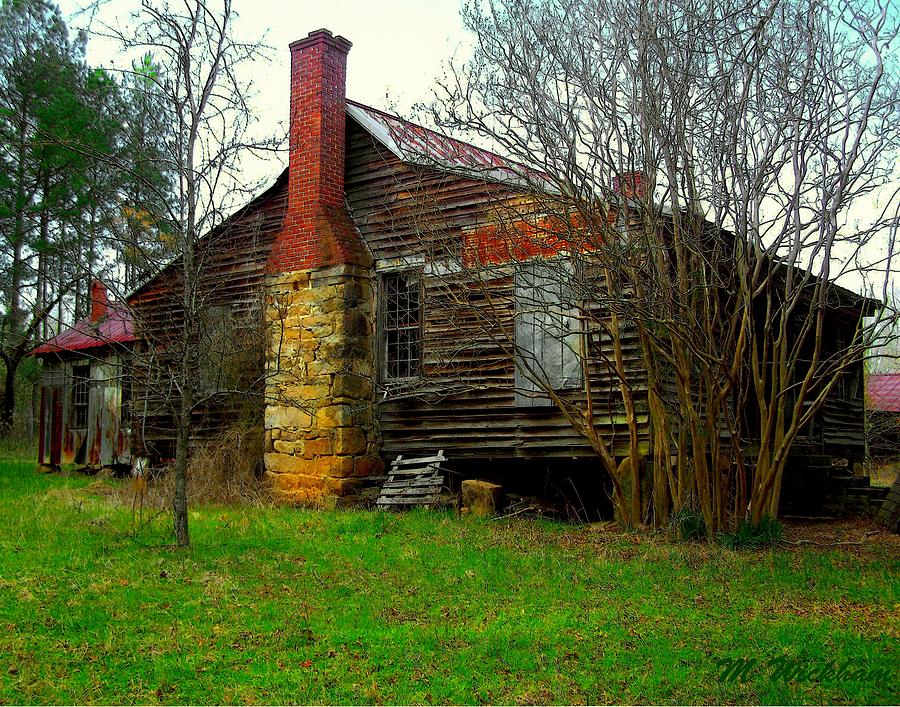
[[216, 323], [526, 274], [81, 396], [384, 359]]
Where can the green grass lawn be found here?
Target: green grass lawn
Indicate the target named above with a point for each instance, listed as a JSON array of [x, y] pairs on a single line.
[[285, 605]]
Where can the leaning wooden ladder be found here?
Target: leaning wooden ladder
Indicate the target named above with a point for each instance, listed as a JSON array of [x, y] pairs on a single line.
[[413, 482]]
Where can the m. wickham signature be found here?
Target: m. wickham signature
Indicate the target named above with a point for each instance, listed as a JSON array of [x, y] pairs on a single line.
[[797, 669]]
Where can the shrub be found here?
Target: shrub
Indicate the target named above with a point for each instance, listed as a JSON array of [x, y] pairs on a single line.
[[689, 524], [226, 469], [753, 536]]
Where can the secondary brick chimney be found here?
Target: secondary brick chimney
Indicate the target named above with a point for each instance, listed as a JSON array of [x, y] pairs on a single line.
[[99, 301], [631, 185], [321, 431], [317, 229]]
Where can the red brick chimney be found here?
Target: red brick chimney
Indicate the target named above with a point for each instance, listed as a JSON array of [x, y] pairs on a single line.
[[317, 229], [99, 301], [631, 185]]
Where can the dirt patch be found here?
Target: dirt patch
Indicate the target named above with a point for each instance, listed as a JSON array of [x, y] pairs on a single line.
[[850, 535], [865, 618]]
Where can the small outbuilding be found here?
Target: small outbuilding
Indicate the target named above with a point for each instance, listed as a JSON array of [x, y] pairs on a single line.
[[883, 415], [883, 392], [85, 388], [883, 409]]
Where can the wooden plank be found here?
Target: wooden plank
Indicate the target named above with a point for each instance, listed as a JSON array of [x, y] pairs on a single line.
[[412, 488], [412, 472], [413, 484], [419, 491], [409, 478], [406, 502], [412, 500], [399, 461]]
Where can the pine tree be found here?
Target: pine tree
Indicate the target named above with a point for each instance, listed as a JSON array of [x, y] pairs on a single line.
[[59, 126]]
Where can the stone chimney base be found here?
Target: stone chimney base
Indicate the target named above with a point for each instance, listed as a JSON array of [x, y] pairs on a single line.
[[321, 429]]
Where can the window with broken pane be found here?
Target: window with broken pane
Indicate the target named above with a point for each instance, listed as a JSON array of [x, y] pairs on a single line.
[[401, 303]]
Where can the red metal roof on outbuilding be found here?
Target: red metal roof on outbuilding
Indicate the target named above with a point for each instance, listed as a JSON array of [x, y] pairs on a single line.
[[116, 327], [883, 392]]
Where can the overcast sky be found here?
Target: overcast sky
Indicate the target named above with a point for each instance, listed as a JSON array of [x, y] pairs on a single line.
[[399, 46]]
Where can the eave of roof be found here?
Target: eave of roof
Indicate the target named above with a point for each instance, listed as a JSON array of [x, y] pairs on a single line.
[[419, 145], [115, 327]]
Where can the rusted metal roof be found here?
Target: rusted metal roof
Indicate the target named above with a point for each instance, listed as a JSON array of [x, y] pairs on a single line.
[[414, 143], [115, 327], [883, 392]]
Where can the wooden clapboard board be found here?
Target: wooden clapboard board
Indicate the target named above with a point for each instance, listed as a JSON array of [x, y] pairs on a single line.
[[413, 482]]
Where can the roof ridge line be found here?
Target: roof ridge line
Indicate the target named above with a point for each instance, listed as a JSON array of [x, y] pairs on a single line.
[[487, 163]]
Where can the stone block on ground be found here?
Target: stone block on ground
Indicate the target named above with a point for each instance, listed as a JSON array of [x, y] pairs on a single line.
[[482, 498]]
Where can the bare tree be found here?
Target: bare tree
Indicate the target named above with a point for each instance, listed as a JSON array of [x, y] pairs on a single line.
[[746, 143], [196, 59]]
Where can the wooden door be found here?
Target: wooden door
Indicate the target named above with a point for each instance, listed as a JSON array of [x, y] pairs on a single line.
[[42, 425], [56, 426]]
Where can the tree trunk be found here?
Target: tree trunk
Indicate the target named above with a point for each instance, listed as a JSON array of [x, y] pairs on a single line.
[[41, 287], [8, 405], [61, 280], [180, 502]]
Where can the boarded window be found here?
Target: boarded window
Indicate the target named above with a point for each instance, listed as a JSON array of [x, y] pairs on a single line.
[[401, 335], [81, 379], [547, 331], [215, 345]]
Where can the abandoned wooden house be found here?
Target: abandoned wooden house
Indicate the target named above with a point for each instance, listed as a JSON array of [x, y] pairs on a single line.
[[84, 388], [344, 267]]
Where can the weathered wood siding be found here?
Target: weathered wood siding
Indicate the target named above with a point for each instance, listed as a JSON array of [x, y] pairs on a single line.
[[232, 278], [465, 402]]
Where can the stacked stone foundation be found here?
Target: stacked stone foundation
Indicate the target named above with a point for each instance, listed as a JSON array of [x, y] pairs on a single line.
[[321, 430]]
